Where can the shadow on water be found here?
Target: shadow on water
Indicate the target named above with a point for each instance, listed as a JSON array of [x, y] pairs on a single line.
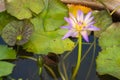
[[27, 69]]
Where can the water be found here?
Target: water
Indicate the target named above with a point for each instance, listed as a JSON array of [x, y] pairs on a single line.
[[28, 70]]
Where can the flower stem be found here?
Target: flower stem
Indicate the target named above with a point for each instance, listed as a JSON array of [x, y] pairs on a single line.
[[78, 59]]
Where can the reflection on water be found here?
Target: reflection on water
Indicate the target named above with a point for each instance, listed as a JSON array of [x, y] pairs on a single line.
[[28, 70]]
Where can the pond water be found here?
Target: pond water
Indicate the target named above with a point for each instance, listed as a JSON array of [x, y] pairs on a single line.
[[27, 69]]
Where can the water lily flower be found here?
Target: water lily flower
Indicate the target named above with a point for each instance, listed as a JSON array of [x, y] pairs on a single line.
[[79, 25]]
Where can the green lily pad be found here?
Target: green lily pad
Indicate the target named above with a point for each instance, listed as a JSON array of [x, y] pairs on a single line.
[[108, 62], [110, 37], [17, 32], [5, 68], [102, 20], [54, 14], [7, 53], [5, 18], [23, 9], [42, 42]]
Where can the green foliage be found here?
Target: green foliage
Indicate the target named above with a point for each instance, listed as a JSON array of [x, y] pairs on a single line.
[[50, 16], [23, 9], [54, 14], [1, 78], [102, 20], [5, 18], [5, 68], [42, 42], [6, 53], [108, 60], [17, 32], [110, 37]]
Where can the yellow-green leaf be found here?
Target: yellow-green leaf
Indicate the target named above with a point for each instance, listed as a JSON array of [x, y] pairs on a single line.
[[23, 9], [102, 20], [5, 68], [42, 42], [108, 62], [7, 53]]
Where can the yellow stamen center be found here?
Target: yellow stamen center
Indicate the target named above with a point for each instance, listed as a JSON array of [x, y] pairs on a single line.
[[80, 27], [19, 37]]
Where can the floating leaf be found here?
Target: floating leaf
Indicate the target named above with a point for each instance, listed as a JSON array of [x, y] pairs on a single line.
[[102, 20], [55, 13], [7, 53], [42, 42], [2, 5], [17, 32], [23, 9], [5, 68], [110, 37], [5, 18], [108, 62]]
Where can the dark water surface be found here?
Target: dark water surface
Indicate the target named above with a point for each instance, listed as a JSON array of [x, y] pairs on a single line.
[[27, 69]]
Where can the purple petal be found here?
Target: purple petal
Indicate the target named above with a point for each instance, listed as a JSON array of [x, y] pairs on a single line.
[[66, 27], [91, 23], [73, 18], [68, 34], [69, 21], [74, 34], [87, 16], [85, 35], [93, 28], [89, 20], [80, 16]]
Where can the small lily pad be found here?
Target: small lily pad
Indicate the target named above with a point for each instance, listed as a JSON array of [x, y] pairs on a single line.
[[23, 9], [17, 32], [7, 53], [5, 68], [102, 20]]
